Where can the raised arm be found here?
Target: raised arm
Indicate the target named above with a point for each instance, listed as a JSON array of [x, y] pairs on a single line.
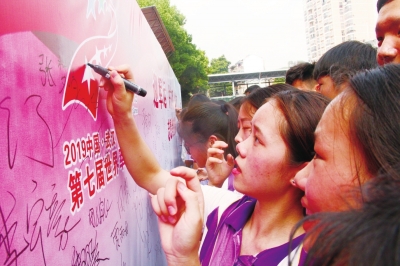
[[218, 168], [139, 159]]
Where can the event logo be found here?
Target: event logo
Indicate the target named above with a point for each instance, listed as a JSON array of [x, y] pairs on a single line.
[[81, 86]]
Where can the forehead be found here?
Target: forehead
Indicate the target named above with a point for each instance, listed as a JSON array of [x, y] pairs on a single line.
[[266, 115], [388, 14], [334, 121], [246, 110]]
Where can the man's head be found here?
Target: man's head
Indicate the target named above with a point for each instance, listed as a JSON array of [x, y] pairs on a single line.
[[387, 31], [251, 89], [301, 76], [333, 70]]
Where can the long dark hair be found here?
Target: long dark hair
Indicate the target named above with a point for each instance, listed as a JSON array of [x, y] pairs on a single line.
[[363, 236], [366, 236], [302, 111], [375, 117], [257, 98]]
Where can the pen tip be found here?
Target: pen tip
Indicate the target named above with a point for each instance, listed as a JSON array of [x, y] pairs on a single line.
[[89, 64]]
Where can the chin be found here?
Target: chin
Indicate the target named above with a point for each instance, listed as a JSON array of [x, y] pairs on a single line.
[[238, 187]]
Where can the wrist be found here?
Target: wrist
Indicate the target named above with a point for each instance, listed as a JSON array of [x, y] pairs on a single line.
[[123, 118]]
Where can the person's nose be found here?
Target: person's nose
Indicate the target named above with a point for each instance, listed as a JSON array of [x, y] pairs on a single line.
[[301, 177], [238, 137], [387, 52], [240, 148]]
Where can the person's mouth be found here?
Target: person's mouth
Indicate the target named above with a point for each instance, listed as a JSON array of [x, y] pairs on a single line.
[[236, 170], [304, 203]]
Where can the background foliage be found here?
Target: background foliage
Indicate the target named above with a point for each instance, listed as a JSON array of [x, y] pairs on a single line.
[[189, 64], [220, 65]]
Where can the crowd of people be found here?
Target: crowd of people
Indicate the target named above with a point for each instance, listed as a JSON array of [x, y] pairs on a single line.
[[312, 170]]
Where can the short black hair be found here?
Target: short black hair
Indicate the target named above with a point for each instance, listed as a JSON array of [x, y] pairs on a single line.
[[237, 102], [344, 60], [381, 3], [198, 98], [251, 89], [301, 71]]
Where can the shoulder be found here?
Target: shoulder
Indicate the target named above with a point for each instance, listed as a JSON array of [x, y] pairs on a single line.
[[215, 197]]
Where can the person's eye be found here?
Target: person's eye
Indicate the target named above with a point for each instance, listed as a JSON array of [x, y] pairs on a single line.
[[380, 40]]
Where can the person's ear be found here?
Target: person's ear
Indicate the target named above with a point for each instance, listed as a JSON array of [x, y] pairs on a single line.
[[211, 140]]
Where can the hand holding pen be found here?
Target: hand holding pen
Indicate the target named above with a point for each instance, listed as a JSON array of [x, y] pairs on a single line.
[[130, 86], [119, 100]]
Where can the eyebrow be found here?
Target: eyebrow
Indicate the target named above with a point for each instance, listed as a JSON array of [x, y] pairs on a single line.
[[257, 131], [388, 22], [245, 119]]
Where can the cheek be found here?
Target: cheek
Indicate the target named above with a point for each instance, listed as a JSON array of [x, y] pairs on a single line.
[[379, 59], [265, 163], [326, 191], [397, 59], [318, 189], [199, 156], [246, 134]]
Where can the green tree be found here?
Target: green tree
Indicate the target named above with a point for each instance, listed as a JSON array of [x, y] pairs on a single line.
[[220, 65], [189, 64], [279, 80]]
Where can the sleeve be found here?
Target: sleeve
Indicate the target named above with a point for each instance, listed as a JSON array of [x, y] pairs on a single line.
[[217, 197]]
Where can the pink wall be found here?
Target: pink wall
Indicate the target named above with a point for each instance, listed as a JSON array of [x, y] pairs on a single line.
[[65, 195]]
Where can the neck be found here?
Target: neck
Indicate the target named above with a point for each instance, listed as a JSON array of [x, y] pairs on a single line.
[[267, 216], [270, 225]]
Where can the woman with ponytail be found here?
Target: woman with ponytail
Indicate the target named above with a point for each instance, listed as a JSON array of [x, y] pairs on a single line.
[[207, 122]]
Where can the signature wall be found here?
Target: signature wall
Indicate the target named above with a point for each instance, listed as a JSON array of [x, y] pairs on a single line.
[[66, 197]]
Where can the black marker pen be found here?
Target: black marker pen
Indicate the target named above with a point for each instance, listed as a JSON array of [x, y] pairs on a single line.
[[128, 85]]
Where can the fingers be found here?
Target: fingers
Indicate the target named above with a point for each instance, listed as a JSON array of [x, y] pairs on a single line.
[[230, 160], [156, 207], [193, 208], [202, 174], [189, 175], [118, 83], [217, 150], [170, 197], [192, 182], [215, 153], [124, 70], [160, 208], [213, 160], [163, 212], [220, 144], [184, 172]]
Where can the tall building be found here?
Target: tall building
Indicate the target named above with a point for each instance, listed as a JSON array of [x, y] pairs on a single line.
[[330, 22]]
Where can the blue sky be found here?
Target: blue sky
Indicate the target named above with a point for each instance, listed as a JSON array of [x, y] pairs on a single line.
[[271, 29]]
